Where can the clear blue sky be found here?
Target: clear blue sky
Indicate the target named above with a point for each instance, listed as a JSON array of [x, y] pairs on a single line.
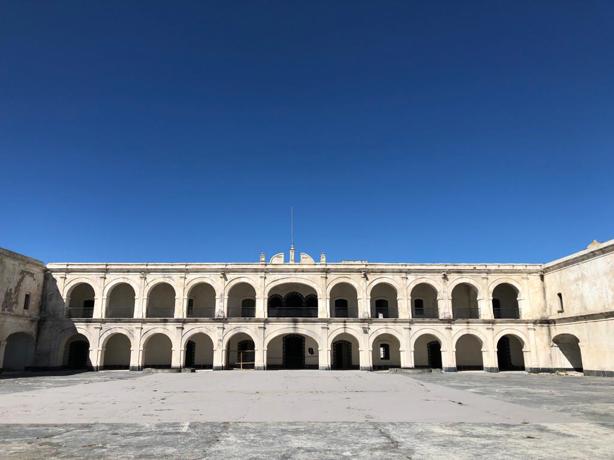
[[399, 130]]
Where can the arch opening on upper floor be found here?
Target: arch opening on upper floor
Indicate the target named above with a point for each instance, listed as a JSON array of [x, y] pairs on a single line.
[[292, 300], [505, 302], [384, 303], [465, 302], [343, 301], [81, 301]]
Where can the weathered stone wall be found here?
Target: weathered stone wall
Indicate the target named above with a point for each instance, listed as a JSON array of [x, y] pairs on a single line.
[[21, 290]]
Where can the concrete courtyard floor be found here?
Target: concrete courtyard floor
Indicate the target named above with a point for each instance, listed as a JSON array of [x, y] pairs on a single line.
[[306, 414]]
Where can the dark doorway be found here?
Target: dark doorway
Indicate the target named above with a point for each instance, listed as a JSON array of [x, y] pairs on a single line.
[[434, 354], [190, 354], [342, 355], [294, 352], [78, 355], [504, 354]]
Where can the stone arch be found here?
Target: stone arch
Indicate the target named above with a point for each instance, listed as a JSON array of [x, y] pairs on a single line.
[[386, 350], [19, 351], [569, 354], [191, 282], [469, 351], [471, 331], [157, 350], [240, 351], [430, 331], [504, 280], [295, 349], [425, 280], [384, 300], [341, 279], [333, 334], [198, 349], [121, 280], [161, 297], [465, 297], [343, 301], [345, 351], [293, 299], [505, 297], [238, 330], [201, 300], [292, 280], [121, 300], [241, 299], [427, 348], [80, 300], [424, 300], [108, 333], [520, 334], [116, 351], [510, 355], [76, 352], [290, 330]]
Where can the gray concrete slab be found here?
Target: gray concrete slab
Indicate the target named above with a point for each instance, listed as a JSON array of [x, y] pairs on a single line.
[[306, 414]]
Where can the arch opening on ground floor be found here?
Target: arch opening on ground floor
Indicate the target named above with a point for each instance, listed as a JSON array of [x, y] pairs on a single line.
[[427, 352], [240, 352], [510, 355], [77, 353], [198, 353], [158, 352], [18, 352], [469, 353], [386, 352], [569, 354], [116, 352], [345, 352], [292, 351]]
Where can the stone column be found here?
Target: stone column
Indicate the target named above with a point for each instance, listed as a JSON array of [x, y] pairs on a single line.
[[485, 300], [177, 356], [489, 352], [136, 352], [261, 310], [323, 301], [444, 300], [364, 351], [448, 352], [219, 351], [181, 299], [140, 303], [99, 300], [407, 355], [364, 304], [219, 301], [260, 361], [323, 349]]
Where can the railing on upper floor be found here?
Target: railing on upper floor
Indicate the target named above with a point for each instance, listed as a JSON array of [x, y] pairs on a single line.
[[290, 312], [427, 313], [80, 312], [465, 312], [506, 312]]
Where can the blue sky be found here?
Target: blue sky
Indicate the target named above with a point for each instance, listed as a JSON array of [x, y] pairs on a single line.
[[399, 130]]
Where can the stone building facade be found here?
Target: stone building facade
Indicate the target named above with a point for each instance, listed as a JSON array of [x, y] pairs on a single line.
[[347, 315], [21, 289]]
